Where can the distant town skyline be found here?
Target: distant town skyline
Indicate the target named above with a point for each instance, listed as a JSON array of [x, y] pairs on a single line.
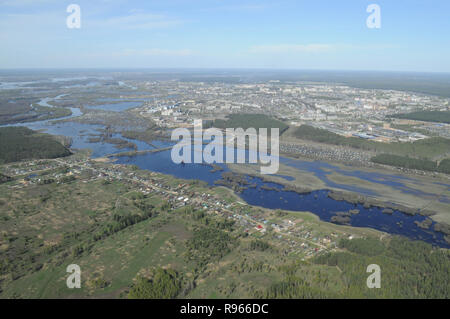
[[284, 34]]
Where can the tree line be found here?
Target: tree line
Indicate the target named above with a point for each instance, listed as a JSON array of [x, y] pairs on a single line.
[[412, 163], [246, 121], [426, 116], [19, 143]]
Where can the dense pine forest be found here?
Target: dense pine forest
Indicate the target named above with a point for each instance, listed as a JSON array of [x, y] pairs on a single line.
[[246, 121], [408, 270], [19, 143]]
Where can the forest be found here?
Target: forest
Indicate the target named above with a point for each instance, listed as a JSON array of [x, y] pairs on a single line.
[[408, 270], [208, 244], [405, 162], [412, 163], [19, 143], [160, 284], [246, 121], [426, 116], [444, 166]]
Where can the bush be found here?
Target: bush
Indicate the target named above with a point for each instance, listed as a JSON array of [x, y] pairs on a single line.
[[162, 284], [259, 245]]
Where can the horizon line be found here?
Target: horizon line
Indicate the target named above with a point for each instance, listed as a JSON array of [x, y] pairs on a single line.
[[216, 68]]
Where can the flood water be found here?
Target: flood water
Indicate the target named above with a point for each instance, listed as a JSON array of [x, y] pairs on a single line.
[[316, 202], [115, 107]]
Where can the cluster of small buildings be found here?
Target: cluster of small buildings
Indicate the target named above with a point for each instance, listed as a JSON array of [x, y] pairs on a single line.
[[375, 130], [331, 106], [296, 235]]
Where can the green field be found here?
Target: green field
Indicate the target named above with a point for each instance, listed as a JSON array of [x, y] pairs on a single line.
[[132, 245]]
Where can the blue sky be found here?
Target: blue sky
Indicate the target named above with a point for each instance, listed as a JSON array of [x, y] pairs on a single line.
[[285, 34]]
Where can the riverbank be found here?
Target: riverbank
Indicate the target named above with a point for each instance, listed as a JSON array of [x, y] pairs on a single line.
[[408, 194]]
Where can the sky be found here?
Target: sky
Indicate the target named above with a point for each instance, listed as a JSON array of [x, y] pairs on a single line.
[[283, 34]]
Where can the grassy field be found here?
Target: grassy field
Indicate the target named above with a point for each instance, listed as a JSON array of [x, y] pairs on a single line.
[[44, 228]]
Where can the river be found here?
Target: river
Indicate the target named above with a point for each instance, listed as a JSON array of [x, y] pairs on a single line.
[[316, 202]]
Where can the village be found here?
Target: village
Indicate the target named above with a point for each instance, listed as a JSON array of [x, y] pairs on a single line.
[[295, 235]]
